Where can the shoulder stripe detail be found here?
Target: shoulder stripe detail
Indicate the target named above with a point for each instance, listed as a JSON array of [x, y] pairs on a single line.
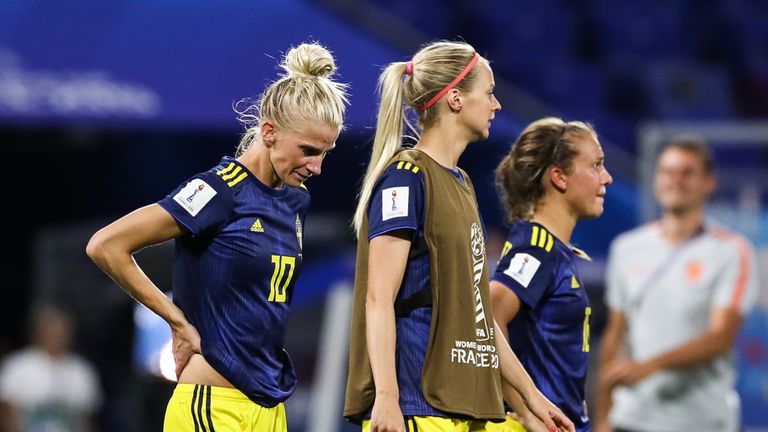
[[227, 169], [541, 238], [407, 166], [232, 176], [505, 250], [233, 173], [550, 242], [238, 179], [744, 263]]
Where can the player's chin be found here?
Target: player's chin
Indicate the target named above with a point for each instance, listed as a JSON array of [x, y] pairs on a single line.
[[482, 135], [295, 180], [594, 212]]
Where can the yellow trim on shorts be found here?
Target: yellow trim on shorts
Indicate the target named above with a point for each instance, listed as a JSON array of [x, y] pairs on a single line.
[[203, 408], [442, 424]]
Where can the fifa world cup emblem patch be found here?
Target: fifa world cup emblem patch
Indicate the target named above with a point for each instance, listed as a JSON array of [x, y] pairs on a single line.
[[522, 266], [299, 233], [394, 200], [477, 245]]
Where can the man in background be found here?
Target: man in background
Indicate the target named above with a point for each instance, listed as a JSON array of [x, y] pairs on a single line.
[[678, 290], [46, 387]]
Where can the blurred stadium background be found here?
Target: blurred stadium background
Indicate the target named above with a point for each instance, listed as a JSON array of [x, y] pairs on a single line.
[[107, 106]]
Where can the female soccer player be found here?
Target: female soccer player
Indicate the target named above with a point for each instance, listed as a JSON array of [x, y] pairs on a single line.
[[238, 233], [553, 177], [423, 352]]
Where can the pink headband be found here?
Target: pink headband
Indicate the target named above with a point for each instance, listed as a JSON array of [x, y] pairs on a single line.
[[452, 84], [408, 67]]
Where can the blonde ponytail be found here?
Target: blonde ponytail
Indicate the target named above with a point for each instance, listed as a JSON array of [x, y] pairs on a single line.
[[430, 71], [389, 134]]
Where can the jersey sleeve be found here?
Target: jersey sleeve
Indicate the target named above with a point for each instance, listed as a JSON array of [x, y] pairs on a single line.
[[201, 203], [615, 297], [397, 201], [737, 285], [529, 271]]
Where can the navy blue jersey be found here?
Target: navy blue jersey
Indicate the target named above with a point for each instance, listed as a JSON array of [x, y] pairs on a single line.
[[550, 333], [397, 203], [234, 273]]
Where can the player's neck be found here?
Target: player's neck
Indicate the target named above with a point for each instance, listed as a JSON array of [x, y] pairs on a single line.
[[256, 160], [556, 220], [679, 227], [444, 144]]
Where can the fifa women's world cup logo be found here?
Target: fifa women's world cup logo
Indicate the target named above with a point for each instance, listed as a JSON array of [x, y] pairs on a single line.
[[477, 243], [299, 232], [394, 200]]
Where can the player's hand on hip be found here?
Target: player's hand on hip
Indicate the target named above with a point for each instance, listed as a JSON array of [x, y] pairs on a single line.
[[186, 341], [386, 415]]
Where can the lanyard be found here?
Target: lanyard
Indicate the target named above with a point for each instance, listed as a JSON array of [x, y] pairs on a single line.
[[652, 280]]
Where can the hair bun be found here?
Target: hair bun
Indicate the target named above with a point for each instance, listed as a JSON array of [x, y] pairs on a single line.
[[309, 60]]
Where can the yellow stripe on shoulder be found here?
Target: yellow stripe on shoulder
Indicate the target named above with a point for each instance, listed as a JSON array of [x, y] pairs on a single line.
[[505, 250], [238, 179], [407, 166], [541, 238], [232, 174], [550, 242], [226, 170]]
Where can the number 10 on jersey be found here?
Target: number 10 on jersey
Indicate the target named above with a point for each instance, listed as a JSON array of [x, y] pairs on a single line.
[[281, 277]]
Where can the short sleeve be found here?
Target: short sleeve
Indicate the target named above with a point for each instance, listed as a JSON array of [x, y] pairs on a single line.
[[202, 203], [528, 271], [737, 286], [397, 201], [614, 292]]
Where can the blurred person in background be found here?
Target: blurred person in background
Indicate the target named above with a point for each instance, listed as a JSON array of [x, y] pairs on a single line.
[[678, 290], [423, 351], [46, 387], [553, 177], [238, 229]]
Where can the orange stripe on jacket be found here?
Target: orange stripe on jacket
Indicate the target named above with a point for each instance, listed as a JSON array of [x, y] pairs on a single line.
[[744, 262]]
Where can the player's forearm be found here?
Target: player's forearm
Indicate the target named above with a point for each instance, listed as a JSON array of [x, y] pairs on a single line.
[[512, 371], [122, 268], [515, 401], [380, 334]]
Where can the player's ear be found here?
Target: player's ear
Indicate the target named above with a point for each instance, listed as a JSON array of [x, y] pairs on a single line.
[[268, 133], [558, 177], [455, 100]]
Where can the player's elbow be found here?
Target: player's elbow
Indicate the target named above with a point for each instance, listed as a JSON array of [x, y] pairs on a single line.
[[97, 248]]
